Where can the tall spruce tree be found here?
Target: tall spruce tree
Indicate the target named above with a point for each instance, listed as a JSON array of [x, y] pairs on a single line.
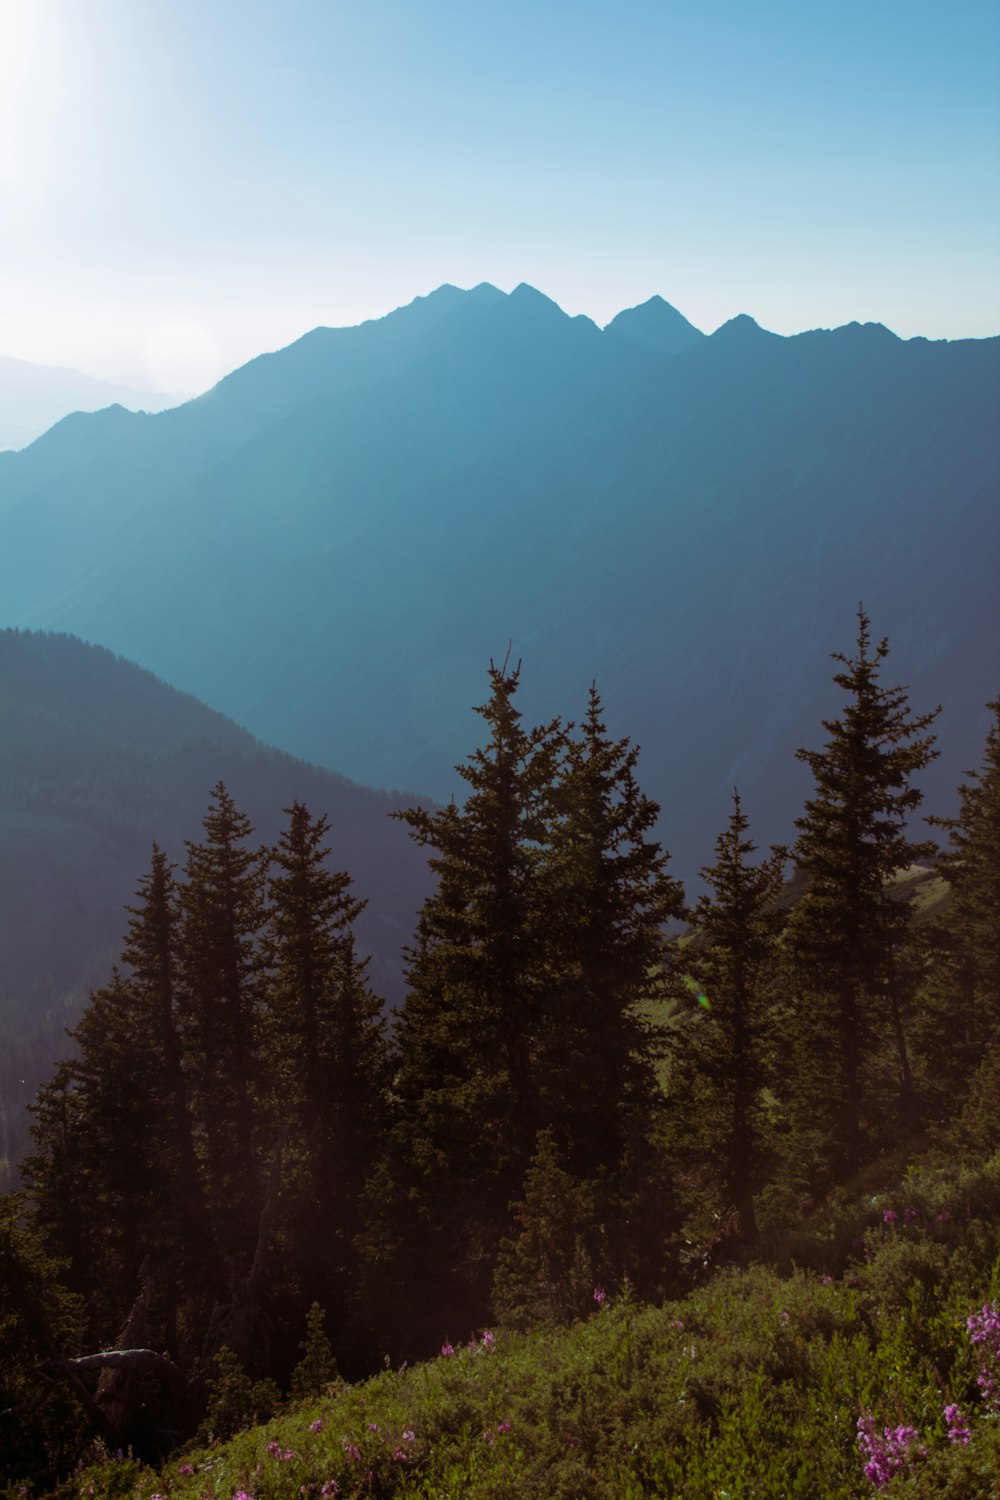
[[608, 899], [114, 1174], [727, 966], [219, 974], [960, 1001], [845, 933], [468, 1034], [330, 1061]]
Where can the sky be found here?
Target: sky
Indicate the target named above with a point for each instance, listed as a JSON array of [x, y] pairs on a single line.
[[186, 183]]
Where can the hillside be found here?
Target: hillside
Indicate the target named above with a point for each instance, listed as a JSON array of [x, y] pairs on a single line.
[[751, 1386], [691, 520], [98, 758], [34, 397]]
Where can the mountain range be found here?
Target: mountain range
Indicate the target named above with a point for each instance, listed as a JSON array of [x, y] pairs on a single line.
[[34, 397], [331, 544], [97, 759]]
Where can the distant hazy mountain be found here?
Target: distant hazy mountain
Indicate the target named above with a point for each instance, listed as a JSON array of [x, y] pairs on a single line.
[[98, 758], [332, 543], [34, 397]]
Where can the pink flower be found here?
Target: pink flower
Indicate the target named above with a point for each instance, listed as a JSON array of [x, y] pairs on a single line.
[[316, 1426], [400, 1454], [600, 1296], [352, 1450], [373, 1427], [330, 1488], [274, 1449], [490, 1437], [409, 1436], [827, 1280], [889, 1216], [488, 1339], [910, 1216], [447, 1350], [783, 1317], [504, 1427], [186, 1470]]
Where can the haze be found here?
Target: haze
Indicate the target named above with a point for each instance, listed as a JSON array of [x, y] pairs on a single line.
[[184, 185]]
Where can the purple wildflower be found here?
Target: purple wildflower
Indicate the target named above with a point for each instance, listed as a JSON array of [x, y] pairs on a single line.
[[316, 1426], [504, 1427], [958, 1432], [488, 1339], [186, 1470], [447, 1350], [889, 1216], [888, 1455], [409, 1436], [910, 1216], [600, 1296], [984, 1331]]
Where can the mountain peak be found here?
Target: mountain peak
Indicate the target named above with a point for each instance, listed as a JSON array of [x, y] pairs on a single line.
[[743, 329], [529, 297], [657, 326]]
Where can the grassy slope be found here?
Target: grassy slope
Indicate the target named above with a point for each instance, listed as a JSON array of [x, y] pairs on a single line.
[[751, 1386]]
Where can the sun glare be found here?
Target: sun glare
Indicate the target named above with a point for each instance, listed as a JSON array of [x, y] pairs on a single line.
[[182, 358], [18, 41]]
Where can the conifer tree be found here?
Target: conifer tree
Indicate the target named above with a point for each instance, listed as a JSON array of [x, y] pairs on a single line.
[[548, 1268], [219, 980], [468, 1035], [39, 1318], [329, 1055], [960, 1002], [845, 933], [608, 897], [317, 1367], [727, 965], [114, 1174]]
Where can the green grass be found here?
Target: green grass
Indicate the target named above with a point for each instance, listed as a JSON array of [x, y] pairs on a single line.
[[750, 1386]]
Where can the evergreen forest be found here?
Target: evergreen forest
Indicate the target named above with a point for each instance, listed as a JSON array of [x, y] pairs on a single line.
[[639, 1191]]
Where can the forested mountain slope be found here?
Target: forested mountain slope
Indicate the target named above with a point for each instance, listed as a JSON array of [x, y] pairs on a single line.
[[98, 758], [332, 543]]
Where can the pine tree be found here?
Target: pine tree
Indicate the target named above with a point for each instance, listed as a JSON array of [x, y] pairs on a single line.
[[548, 1268], [219, 981], [960, 1001], [329, 1059], [727, 965], [41, 1432], [114, 1173], [608, 899], [468, 1035], [317, 1367], [845, 933]]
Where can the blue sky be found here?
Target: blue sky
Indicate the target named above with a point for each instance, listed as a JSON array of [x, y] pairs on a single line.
[[184, 183]]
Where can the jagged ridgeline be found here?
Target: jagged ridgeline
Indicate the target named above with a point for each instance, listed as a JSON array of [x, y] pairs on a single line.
[[330, 544], [243, 1168], [98, 758]]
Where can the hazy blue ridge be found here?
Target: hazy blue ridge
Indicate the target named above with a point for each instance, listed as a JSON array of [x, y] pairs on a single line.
[[97, 759], [331, 544]]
